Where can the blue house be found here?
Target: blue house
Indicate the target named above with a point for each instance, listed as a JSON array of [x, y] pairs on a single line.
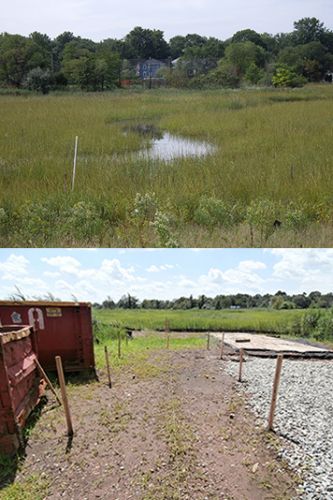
[[148, 69]]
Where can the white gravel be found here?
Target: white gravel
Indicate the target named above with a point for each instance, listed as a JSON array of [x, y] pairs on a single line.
[[304, 416]]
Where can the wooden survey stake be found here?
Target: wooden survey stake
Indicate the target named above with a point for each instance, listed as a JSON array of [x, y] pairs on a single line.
[[61, 378], [222, 346], [119, 344], [241, 360], [275, 391], [167, 332], [108, 366]]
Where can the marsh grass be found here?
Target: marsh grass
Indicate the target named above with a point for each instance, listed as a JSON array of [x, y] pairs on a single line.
[[272, 145], [255, 320]]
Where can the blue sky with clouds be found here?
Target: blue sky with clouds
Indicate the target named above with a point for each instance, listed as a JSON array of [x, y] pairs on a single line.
[[92, 275], [100, 19]]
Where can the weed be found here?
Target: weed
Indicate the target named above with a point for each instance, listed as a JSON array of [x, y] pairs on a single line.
[[161, 225]]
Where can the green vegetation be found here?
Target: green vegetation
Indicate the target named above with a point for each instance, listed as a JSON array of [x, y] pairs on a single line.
[[199, 320], [192, 61], [313, 324], [272, 163], [135, 352], [33, 487]]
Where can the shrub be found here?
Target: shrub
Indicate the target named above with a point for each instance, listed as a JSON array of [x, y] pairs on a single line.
[[145, 207], [84, 221], [37, 223], [213, 212], [39, 80], [324, 327], [296, 218], [261, 215], [286, 77], [161, 225]]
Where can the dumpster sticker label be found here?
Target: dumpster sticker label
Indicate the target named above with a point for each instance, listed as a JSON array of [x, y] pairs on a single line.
[[16, 318], [36, 318], [53, 312]]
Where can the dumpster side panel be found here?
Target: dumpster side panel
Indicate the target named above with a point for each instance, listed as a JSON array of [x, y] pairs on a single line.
[[64, 329], [20, 385]]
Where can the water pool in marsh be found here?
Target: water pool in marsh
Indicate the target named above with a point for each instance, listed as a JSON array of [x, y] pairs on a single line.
[[170, 147], [164, 146]]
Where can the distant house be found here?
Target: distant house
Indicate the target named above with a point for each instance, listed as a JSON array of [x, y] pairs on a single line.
[[149, 69]]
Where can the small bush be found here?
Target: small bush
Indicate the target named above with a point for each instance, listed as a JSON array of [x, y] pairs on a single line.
[[261, 215], [213, 212], [324, 327], [161, 225], [296, 219], [84, 221], [286, 77], [145, 207]]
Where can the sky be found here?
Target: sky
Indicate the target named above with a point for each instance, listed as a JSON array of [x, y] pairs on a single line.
[[93, 275], [100, 19]]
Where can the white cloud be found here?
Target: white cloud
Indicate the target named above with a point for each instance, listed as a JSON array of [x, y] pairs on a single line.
[[50, 274], [157, 269], [241, 278], [306, 269], [65, 264], [153, 269], [14, 267]]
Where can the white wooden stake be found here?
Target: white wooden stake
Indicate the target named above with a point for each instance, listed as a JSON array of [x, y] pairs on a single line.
[[75, 161]]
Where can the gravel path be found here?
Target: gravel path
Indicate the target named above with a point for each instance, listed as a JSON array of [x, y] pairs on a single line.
[[304, 416]]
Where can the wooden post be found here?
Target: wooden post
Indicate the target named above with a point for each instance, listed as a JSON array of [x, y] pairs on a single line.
[[49, 383], [75, 161], [241, 359], [167, 331], [61, 378], [208, 341], [222, 346], [119, 344], [275, 391], [108, 366]]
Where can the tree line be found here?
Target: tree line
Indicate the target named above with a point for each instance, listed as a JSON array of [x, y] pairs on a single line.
[[40, 63], [278, 301]]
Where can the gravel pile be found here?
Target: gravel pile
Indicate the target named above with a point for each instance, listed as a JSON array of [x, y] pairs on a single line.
[[304, 416]]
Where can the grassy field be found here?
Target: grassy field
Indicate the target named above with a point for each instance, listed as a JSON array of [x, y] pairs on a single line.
[[195, 320], [273, 162]]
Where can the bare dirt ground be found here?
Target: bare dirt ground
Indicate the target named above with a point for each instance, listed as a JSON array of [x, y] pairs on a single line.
[[177, 430]]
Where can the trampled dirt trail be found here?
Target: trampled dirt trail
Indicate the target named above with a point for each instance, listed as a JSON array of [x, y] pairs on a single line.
[[183, 433]]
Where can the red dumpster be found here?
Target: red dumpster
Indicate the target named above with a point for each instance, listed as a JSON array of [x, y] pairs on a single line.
[[63, 329], [20, 383]]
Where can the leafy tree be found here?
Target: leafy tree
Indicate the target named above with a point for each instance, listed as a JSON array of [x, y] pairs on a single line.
[[241, 55], [108, 303], [226, 74], [254, 74], [18, 55], [311, 60], [249, 35], [177, 46], [39, 80], [128, 302], [145, 43], [307, 30]]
